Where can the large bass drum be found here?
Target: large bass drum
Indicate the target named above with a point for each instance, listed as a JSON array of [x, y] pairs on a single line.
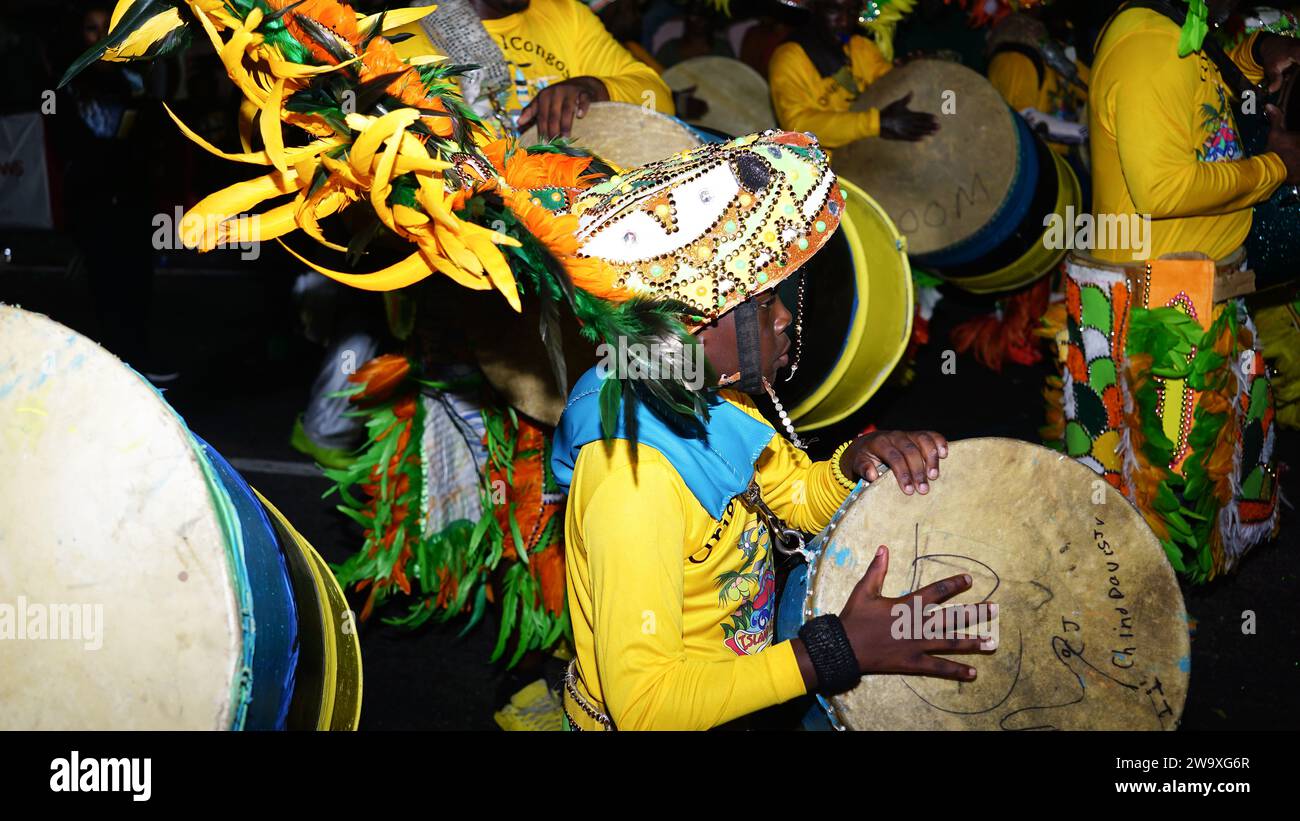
[[1092, 629], [975, 199], [156, 588], [857, 315], [627, 136]]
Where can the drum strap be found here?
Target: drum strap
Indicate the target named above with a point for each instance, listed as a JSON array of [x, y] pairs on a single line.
[[824, 50], [457, 32], [749, 348], [787, 540]]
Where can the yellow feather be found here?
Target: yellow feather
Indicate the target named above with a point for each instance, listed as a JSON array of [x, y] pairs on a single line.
[[408, 217], [430, 197], [272, 131], [118, 10], [475, 282], [382, 185], [498, 270], [373, 134], [141, 41], [399, 275], [236, 199], [261, 227], [321, 204], [456, 250], [292, 155], [247, 113], [394, 18]]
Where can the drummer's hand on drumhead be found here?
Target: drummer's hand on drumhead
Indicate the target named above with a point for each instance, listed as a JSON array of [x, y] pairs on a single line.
[[869, 620], [557, 105], [1277, 54], [898, 122], [1285, 144], [912, 456], [689, 107]]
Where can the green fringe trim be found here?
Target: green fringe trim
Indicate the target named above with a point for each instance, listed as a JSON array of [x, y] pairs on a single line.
[[1186, 504], [464, 553]]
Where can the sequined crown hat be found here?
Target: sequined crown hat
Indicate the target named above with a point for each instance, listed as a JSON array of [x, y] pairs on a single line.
[[711, 227]]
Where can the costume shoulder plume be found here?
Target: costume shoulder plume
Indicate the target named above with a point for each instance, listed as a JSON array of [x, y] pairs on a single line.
[[393, 140]]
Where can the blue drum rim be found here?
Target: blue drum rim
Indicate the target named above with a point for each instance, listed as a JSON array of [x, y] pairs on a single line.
[[1008, 216], [265, 592], [814, 552]]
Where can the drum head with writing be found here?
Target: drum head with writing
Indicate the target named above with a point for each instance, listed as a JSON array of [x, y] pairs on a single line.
[[942, 190], [1092, 629]]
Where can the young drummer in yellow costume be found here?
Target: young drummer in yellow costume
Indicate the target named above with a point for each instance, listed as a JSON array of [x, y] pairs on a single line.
[[816, 77], [670, 531]]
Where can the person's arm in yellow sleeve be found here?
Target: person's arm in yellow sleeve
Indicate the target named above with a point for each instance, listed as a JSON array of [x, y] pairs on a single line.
[[804, 493], [634, 531], [601, 56], [1244, 56], [1016, 79], [796, 89], [866, 60], [1157, 153]]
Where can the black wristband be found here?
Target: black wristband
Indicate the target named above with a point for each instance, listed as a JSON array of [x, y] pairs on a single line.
[[831, 654]]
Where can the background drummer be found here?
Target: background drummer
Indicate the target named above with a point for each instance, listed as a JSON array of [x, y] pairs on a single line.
[[561, 59], [670, 533], [1164, 134], [818, 74]]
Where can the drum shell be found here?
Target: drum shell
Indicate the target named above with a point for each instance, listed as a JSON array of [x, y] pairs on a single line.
[[877, 323], [164, 537], [1039, 258]]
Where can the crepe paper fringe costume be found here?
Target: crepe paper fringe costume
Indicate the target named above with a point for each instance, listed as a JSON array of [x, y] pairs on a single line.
[[510, 553], [1209, 491], [1010, 332]]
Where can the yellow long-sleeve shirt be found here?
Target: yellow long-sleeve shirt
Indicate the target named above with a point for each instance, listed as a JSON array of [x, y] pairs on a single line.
[[1165, 143], [673, 612], [804, 100], [553, 41], [1016, 78]]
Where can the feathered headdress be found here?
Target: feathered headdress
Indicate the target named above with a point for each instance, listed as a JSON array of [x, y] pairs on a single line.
[[641, 257]]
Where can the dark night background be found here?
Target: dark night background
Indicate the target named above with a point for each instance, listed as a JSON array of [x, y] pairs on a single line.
[[228, 327]]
